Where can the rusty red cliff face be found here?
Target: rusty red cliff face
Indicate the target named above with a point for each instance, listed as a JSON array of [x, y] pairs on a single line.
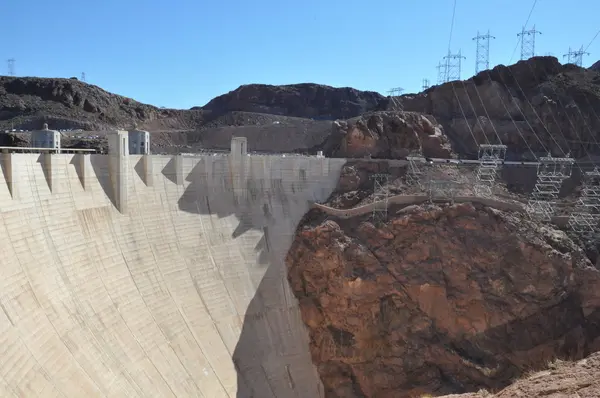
[[440, 300]]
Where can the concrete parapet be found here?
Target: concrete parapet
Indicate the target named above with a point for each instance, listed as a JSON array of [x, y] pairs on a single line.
[[118, 153], [10, 173]]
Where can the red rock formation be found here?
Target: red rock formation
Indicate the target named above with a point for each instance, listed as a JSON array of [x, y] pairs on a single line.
[[390, 135], [440, 300]]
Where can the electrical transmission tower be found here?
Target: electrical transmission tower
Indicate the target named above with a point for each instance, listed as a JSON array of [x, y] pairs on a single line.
[[394, 94], [551, 173], [425, 84], [586, 215], [491, 158], [415, 171], [576, 56], [453, 66], [528, 42], [482, 52], [83, 77], [441, 75], [380, 196], [11, 66]]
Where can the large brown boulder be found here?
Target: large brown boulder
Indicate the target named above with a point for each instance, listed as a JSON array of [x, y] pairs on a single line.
[[440, 300], [389, 134]]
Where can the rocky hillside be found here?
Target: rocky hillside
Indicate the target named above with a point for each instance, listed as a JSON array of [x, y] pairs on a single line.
[[69, 103], [440, 299], [560, 379], [596, 66], [538, 104], [299, 100]]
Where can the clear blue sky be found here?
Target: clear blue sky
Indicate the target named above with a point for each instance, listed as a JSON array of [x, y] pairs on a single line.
[[182, 53]]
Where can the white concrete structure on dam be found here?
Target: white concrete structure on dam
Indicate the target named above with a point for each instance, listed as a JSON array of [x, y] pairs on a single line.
[[153, 276]]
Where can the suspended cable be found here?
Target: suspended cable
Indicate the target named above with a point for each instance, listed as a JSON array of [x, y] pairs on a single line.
[[526, 22], [594, 38]]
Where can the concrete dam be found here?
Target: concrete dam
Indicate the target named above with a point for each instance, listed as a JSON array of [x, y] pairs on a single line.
[[154, 276]]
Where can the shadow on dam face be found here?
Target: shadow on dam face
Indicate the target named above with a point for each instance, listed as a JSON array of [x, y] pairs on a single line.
[[271, 356]]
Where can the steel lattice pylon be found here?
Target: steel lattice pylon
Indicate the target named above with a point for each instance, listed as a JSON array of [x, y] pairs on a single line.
[[585, 217], [415, 171], [380, 196], [446, 189], [551, 173], [490, 157]]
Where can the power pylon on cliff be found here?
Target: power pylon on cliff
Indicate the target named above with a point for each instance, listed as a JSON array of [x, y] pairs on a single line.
[[11, 66], [380, 196], [528, 42], [576, 56], [395, 93], [585, 217], [482, 51], [441, 75], [453, 66]]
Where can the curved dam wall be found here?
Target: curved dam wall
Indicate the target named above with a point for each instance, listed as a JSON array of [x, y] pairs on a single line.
[[154, 276]]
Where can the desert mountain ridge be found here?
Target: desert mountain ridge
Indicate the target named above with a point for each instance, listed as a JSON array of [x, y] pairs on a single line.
[[535, 105]]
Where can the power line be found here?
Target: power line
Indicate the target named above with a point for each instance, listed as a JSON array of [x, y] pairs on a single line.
[[394, 94], [526, 22], [482, 52], [594, 38], [451, 26]]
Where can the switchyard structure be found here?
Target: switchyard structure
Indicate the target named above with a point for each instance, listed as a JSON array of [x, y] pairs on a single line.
[[551, 173], [491, 158], [414, 173], [586, 215], [380, 196], [438, 188]]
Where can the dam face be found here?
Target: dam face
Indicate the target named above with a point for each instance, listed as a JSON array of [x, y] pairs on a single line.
[[154, 276]]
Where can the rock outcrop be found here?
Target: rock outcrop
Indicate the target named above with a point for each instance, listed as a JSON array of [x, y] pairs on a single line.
[[27, 102], [538, 104], [440, 299], [561, 379], [307, 100], [389, 135], [596, 66]]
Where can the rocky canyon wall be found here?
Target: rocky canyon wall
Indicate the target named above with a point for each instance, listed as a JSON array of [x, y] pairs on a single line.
[[440, 299]]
